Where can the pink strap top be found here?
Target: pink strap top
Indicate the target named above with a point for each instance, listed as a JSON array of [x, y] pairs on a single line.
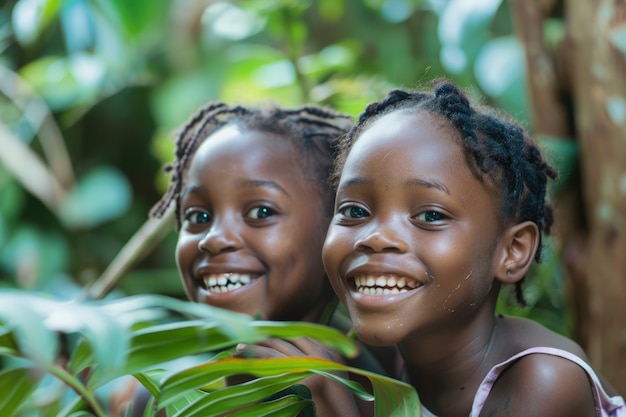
[[605, 406]]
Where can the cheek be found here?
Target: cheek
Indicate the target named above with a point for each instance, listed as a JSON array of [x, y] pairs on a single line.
[[332, 253], [330, 250], [184, 251]]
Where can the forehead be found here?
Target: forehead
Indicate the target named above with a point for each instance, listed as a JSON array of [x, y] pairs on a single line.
[[408, 142], [233, 156], [244, 149]]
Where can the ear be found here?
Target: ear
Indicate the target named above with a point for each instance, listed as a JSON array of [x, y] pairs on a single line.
[[516, 252]]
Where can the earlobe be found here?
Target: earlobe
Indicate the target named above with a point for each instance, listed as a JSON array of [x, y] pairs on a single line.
[[517, 252]]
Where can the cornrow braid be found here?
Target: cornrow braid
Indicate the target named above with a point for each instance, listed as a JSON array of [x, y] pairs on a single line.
[[312, 129], [497, 148]]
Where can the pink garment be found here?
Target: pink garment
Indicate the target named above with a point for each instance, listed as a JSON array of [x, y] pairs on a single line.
[[605, 406]]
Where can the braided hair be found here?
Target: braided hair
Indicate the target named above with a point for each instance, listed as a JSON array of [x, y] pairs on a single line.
[[497, 148], [313, 130]]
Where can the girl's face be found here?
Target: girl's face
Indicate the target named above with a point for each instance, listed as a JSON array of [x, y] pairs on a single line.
[[410, 250], [252, 229]]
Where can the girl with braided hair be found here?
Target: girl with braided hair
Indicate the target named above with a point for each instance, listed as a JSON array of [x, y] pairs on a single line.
[[253, 202], [439, 204]]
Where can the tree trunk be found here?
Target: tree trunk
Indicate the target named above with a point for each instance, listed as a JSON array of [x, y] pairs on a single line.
[[596, 31], [591, 211]]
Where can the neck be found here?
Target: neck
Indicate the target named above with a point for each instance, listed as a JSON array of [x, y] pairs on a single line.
[[448, 368]]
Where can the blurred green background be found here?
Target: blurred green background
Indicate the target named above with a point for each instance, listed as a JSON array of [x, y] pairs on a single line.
[[91, 92]]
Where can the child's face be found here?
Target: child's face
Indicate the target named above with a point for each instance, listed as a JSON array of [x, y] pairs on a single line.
[[252, 228], [411, 248]]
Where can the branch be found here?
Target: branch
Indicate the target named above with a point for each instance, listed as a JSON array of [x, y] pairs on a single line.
[[548, 112]]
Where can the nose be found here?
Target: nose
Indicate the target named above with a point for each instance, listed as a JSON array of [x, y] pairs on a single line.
[[386, 236], [219, 238]]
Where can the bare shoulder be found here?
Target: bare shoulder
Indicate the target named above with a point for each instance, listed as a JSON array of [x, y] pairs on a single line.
[[524, 333], [541, 385]]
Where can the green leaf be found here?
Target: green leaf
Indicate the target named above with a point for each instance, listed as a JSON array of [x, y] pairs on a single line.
[[65, 82], [104, 194], [241, 395], [25, 315], [151, 379], [393, 398], [16, 385], [287, 406]]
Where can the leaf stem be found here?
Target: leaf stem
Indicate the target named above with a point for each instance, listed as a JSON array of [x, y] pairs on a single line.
[[71, 381]]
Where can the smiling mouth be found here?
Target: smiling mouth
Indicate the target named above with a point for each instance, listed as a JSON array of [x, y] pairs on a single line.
[[383, 284], [221, 283]]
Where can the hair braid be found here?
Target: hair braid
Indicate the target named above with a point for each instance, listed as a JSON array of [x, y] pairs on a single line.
[[312, 129]]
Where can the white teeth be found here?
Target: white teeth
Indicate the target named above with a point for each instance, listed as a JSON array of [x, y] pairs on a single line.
[[219, 283], [383, 284]]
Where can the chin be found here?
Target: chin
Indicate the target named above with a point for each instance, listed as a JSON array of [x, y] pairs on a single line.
[[377, 337]]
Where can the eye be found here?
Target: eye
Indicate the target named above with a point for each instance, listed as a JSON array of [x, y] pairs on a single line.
[[261, 212], [431, 216], [198, 217], [353, 212]]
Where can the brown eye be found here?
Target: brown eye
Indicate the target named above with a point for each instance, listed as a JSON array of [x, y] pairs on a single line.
[[354, 212], [430, 216], [198, 217], [261, 212]]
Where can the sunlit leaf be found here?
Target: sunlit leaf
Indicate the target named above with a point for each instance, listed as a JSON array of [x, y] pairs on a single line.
[[65, 82], [137, 16], [24, 315], [30, 18], [100, 196]]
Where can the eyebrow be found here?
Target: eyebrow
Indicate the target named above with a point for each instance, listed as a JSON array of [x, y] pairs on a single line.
[[413, 182], [427, 183], [264, 184], [350, 182], [199, 188]]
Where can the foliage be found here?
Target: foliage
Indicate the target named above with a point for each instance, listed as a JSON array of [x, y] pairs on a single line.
[[91, 90], [85, 345]]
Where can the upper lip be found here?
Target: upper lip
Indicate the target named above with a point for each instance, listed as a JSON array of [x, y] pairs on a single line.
[[226, 269]]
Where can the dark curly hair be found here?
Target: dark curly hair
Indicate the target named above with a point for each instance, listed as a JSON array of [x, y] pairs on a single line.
[[495, 145], [313, 130]]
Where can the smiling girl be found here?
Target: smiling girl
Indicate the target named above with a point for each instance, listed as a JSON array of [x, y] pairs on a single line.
[[439, 204], [252, 208], [253, 203]]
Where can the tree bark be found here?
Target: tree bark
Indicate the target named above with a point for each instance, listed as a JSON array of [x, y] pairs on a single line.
[[596, 30], [591, 212]]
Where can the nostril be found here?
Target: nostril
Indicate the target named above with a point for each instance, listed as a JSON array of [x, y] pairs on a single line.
[[215, 243], [380, 241]]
